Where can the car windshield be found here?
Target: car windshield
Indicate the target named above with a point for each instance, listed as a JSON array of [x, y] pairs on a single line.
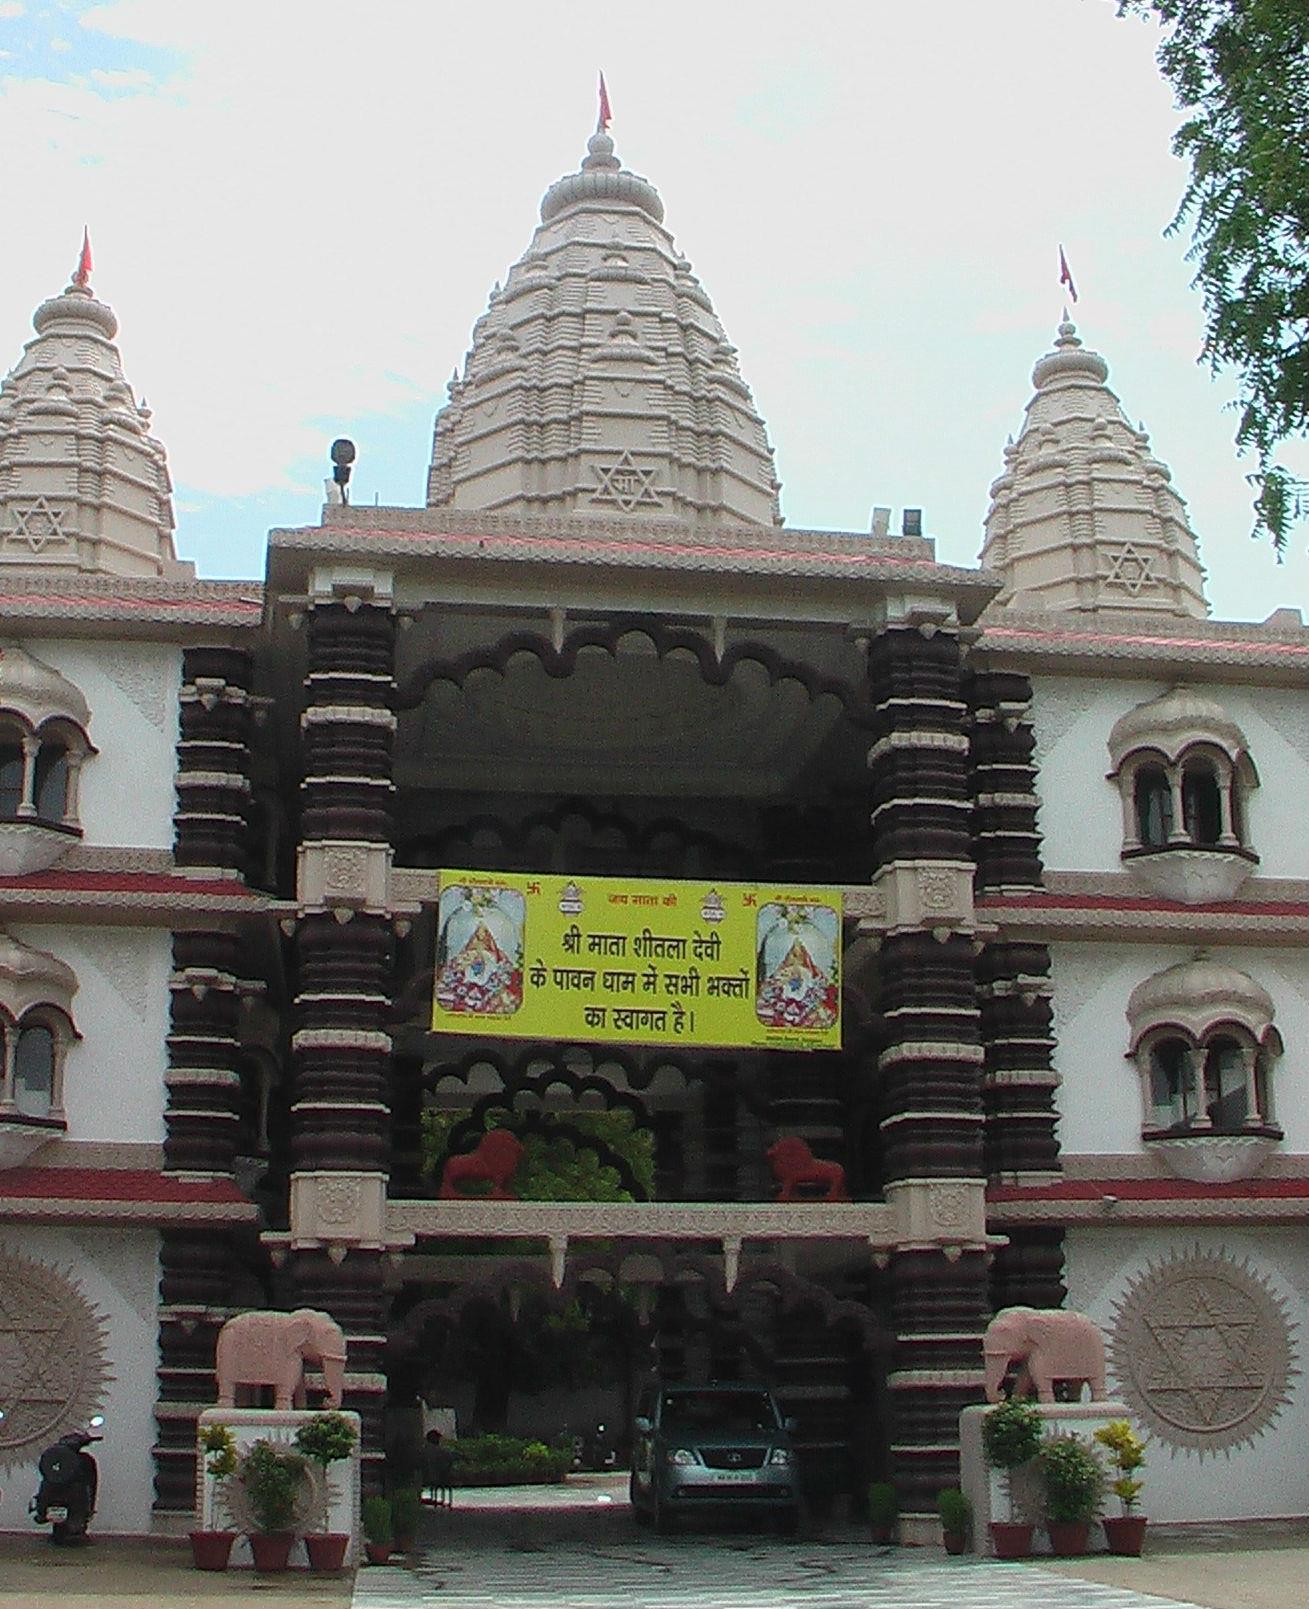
[[731, 1412]]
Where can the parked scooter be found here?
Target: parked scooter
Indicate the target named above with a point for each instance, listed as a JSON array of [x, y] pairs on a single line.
[[65, 1499], [595, 1450]]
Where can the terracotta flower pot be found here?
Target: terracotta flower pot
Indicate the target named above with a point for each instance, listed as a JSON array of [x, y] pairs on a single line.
[[210, 1550], [326, 1549], [1125, 1534], [378, 1552], [1068, 1538], [1011, 1539], [272, 1549], [955, 1541]]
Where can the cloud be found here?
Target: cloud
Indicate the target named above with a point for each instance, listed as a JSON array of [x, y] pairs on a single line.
[[10, 10]]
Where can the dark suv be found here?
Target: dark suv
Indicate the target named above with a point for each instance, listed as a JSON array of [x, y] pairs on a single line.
[[720, 1449]]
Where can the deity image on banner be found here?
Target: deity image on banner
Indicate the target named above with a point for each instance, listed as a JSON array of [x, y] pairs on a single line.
[[796, 965], [479, 949]]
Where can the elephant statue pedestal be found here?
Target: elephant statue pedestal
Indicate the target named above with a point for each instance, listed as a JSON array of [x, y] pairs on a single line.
[[987, 1489], [332, 1505]]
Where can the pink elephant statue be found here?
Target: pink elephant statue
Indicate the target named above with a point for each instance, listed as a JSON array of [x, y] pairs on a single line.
[[1047, 1345], [272, 1349]]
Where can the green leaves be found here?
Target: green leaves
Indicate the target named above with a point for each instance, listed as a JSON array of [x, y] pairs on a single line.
[[1240, 70]]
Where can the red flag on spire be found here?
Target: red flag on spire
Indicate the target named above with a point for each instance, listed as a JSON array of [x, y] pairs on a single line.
[[83, 274], [1066, 274], [606, 116]]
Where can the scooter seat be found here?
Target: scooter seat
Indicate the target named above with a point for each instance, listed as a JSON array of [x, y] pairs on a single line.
[[59, 1464]]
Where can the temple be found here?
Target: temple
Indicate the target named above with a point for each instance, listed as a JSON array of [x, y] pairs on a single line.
[[1055, 807]]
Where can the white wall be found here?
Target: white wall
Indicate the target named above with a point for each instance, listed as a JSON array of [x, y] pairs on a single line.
[[1099, 1100], [117, 1272], [114, 1075], [1081, 814], [132, 689], [1264, 1478]]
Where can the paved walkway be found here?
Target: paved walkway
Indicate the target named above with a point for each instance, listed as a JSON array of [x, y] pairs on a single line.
[[585, 1553]]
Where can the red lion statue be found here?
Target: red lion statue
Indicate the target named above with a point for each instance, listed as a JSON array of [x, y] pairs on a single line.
[[492, 1161], [794, 1164]]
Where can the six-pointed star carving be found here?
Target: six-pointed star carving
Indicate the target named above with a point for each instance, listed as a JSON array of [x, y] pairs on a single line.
[[625, 483], [1207, 1341], [1130, 569], [38, 523]]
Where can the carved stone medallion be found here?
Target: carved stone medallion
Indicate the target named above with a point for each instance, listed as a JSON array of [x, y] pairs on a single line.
[[53, 1368], [1203, 1350]]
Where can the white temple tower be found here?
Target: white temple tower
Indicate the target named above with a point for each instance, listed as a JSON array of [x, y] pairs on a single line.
[[84, 486], [1084, 516], [600, 380]]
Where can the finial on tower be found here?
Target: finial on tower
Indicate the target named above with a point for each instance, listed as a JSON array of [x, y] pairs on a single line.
[[82, 274], [603, 121]]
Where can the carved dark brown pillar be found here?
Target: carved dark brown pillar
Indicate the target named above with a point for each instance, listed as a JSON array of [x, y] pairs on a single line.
[[203, 1083], [930, 1069], [344, 962], [1014, 983]]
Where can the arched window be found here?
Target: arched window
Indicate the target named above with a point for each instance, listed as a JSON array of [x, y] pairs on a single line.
[[1171, 1100], [12, 772], [1202, 809], [1184, 776], [34, 1070], [36, 1031], [44, 741], [1204, 1042], [1154, 806], [1227, 1088], [53, 770]]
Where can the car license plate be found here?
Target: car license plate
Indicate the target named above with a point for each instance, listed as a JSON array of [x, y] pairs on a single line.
[[56, 1515], [734, 1476]]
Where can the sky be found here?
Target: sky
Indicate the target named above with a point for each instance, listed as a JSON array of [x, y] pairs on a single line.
[[298, 208]]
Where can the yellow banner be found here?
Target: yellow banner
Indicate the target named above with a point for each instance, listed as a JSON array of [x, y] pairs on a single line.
[[616, 960]]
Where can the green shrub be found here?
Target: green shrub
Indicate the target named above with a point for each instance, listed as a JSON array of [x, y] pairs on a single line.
[[376, 1517], [405, 1509], [955, 1510], [326, 1438], [508, 1461], [883, 1505], [1073, 1479], [1127, 1450], [272, 1475], [1011, 1434]]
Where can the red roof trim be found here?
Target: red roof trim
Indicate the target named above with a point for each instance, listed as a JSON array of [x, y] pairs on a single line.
[[1043, 901], [75, 882], [153, 606], [532, 540], [1152, 1190], [58, 1185], [1139, 640]]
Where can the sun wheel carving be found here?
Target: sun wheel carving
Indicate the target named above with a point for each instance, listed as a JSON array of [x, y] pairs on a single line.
[[53, 1366], [1202, 1349]]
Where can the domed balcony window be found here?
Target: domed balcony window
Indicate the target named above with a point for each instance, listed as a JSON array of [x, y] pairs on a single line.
[[1204, 1044], [1184, 773], [36, 1031], [43, 744]]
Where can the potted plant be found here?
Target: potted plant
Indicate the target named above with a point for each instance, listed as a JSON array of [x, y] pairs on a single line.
[[379, 1536], [883, 1511], [1073, 1480], [324, 1440], [210, 1547], [1011, 1437], [272, 1475], [956, 1516], [406, 1506], [1124, 1532]]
